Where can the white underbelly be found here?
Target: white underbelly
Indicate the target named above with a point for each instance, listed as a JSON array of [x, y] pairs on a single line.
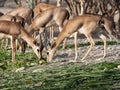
[[81, 30]]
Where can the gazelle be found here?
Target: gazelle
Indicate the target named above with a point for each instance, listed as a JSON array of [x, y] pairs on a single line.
[[14, 19], [58, 15], [15, 30], [84, 24], [24, 12], [42, 7]]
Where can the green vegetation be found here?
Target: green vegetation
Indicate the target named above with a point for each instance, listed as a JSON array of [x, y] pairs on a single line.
[[101, 76], [22, 60], [71, 76]]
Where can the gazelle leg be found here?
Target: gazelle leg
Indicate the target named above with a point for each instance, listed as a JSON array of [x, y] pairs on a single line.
[[105, 44], [17, 46], [41, 45], [2, 43], [64, 43], [13, 49], [50, 33], [60, 28], [89, 38], [75, 42], [6, 42], [22, 45]]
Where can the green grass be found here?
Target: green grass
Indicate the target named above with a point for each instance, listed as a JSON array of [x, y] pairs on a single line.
[[22, 60], [73, 76], [101, 76]]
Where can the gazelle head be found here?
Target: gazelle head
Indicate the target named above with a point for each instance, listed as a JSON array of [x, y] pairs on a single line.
[[50, 51], [37, 49]]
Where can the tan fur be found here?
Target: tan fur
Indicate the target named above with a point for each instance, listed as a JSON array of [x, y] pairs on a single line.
[[85, 24], [15, 30], [6, 17], [58, 15], [42, 7], [14, 19], [24, 12]]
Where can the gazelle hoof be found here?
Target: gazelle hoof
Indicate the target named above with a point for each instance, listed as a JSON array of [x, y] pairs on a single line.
[[104, 56], [83, 59]]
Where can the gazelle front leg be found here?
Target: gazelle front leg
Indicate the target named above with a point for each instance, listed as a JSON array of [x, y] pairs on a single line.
[[89, 38], [13, 48], [75, 43], [51, 33], [64, 43]]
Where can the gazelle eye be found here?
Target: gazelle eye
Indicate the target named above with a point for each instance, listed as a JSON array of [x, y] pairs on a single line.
[[38, 50], [47, 53]]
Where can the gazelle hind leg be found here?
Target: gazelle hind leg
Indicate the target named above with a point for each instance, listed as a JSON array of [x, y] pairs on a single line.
[[13, 48], [2, 43], [103, 37], [89, 38]]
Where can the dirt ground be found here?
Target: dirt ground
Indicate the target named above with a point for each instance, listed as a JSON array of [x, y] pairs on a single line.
[[113, 53]]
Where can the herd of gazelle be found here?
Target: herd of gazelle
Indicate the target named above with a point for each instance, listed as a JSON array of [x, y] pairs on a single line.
[[44, 14]]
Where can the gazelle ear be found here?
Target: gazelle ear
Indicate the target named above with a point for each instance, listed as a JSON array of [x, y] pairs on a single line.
[[13, 19], [101, 22], [35, 42], [22, 22], [53, 45], [52, 41], [50, 44]]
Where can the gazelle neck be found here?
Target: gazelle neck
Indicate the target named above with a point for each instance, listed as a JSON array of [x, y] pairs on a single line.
[[30, 30], [62, 35], [27, 37]]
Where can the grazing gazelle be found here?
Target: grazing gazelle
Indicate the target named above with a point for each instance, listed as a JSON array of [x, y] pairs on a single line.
[[24, 12], [14, 19], [15, 30], [58, 15], [84, 24], [18, 19], [42, 7]]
